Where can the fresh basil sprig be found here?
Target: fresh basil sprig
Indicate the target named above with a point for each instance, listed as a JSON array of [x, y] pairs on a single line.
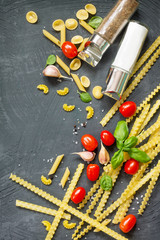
[[106, 182], [51, 60], [125, 144], [85, 97], [95, 22]]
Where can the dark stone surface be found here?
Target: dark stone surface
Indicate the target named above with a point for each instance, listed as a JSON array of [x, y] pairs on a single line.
[[34, 127]]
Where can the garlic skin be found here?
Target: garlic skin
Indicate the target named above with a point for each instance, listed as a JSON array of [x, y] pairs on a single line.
[[86, 155], [51, 71], [103, 155]]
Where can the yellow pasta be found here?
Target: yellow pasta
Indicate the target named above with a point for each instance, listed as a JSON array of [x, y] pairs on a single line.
[[86, 26], [47, 225], [97, 92], [58, 24], [68, 225], [68, 108], [75, 64], [90, 111], [71, 24], [155, 134], [46, 181], [85, 81], [51, 38], [38, 208], [63, 92], [77, 39], [78, 82], [105, 223], [82, 45], [31, 17], [151, 113], [63, 34], [90, 8], [63, 65], [82, 14], [65, 177], [43, 87], [55, 165], [150, 144], [131, 87]]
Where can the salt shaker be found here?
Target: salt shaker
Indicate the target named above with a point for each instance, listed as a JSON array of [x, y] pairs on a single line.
[[108, 30], [125, 59]]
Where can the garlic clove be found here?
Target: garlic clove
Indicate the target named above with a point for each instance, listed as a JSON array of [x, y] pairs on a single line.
[[86, 155], [51, 71], [103, 155]]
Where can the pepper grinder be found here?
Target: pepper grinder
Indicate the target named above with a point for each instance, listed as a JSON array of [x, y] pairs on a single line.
[[108, 30]]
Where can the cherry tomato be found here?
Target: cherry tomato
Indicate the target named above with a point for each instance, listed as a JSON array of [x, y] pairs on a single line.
[[87, 44], [69, 49], [78, 194], [93, 172], [127, 109], [89, 142], [131, 166], [107, 138], [127, 223]]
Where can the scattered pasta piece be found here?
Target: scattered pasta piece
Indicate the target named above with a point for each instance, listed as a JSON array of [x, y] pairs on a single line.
[[46, 181], [90, 111], [71, 24], [43, 87], [63, 92], [58, 24], [105, 223], [78, 82], [31, 17], [68, 225], [97, 92], [86, 26], [68, 108], [55, 165], [62, 65], [75, 64], [65, 177], [85, 81], [63, 34], [77, 39], [90, 8], [82, 45], [47, 225], [82, 14], [51, 38]]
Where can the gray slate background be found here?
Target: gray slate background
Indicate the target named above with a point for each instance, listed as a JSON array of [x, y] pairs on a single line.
[[34, 127]]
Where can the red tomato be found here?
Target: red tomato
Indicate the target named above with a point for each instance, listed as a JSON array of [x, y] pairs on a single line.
[[131, 166], [78, 194], [93, 172], [107, 138], [89, 142], [127, 223], [69, 49], [127, 109], [87, 44]]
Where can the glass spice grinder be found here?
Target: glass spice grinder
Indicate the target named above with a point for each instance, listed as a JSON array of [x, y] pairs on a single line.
[[108, 30]]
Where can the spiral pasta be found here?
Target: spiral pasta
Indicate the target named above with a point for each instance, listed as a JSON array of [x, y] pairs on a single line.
[[90, 111]]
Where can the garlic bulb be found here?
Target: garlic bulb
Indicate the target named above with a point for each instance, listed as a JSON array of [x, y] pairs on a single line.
[[86, 155], [103, 155], [52, 71]]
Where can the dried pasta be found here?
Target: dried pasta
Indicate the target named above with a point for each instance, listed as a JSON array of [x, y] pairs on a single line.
[[31, 17], [90, 111], [82, 45], [90, 8], [58, 24], [97, 92], [105, 223], [51, 38], [65, 177], [63, 65], [85, 81], [55, 165], [68, 225], [47, 225], [63, 34], [131, 87], [43, 87], [77, 39], [78, 82], [86, 26], [46, 181], [68, 108], [38, 208], [71, 24], [63, 92], [82, 14], [75, 64]]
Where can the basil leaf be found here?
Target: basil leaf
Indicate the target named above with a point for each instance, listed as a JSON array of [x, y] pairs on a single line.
[[85, 97], [106, 182], [119, 144], [139, 155], [121, 132], [95, 22], [117, 159], [130, 143], [51, 60]]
